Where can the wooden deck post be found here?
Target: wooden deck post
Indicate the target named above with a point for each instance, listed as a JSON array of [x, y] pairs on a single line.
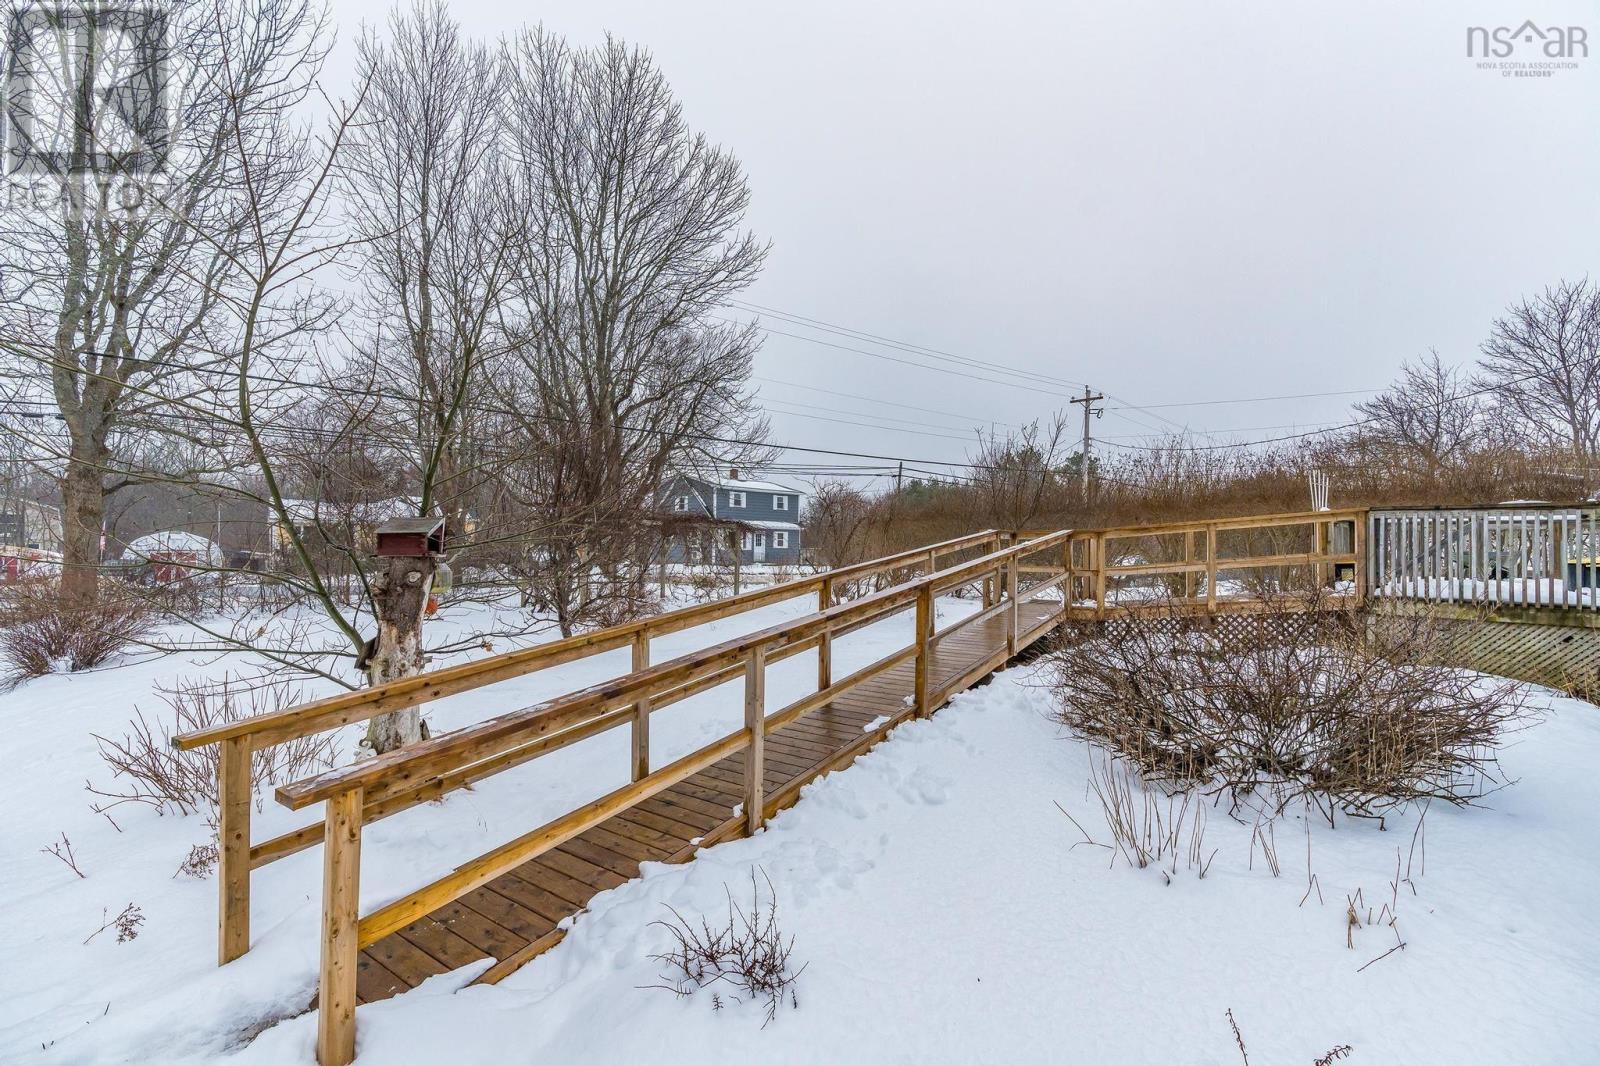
[[924, 624], [1211, 567], [1319, 546], [755, 720], [1013, 564], [1100, 574], [825, 644], [341, 882], [1358, 546], [1188, 557], [233, 849], [641, 710], [735, 538]]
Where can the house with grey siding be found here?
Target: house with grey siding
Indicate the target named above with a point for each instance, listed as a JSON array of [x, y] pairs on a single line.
[[765, 516]]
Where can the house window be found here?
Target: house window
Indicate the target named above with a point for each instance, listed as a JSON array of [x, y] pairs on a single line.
[[681, 503], [735, 499], [780, 538], [780, 503], [748, 541]]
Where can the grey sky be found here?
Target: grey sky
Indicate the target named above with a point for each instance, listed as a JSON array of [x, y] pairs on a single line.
[[1172, 201]]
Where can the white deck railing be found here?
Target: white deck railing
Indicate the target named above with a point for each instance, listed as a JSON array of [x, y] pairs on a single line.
[[1533, 554]]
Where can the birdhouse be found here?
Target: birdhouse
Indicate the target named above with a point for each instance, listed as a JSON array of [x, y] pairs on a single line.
[[413, 537]]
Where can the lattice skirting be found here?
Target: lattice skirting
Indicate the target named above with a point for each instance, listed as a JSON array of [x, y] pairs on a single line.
[[1546, 653], [1564, 657]]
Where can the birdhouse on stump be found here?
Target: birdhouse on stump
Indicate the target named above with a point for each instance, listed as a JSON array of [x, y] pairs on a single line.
[[411, 537]]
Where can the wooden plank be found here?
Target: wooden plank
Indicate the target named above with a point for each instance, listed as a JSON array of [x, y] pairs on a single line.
[[432, 938], [641, 709], [336, 986], [233, 849], [375, 981], [511, 854], [405, 961], [755, 723]]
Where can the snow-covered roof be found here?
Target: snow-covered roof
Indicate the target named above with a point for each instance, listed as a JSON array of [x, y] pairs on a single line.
[[741, 485], [173, 542], [753, 486], [769, 525]]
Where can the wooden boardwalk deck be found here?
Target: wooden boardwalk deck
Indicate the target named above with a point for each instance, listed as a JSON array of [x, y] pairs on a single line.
[[514, 917]]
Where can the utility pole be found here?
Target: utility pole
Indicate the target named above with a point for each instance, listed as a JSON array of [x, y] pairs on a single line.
[[899, 476], [1088, 400]]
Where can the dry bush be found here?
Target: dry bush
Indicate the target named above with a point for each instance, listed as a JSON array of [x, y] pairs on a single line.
[[153, 772], [749, 953], [40, 635], [1295, 704], [1148, 828]]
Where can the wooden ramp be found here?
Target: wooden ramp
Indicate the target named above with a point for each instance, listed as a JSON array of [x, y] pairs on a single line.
[[507, 904], [513, 918]]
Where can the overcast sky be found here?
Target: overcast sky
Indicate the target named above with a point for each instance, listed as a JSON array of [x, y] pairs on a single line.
[[1173, 202]]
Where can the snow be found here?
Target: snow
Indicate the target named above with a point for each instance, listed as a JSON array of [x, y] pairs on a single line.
[[933, 891], [173, 542]]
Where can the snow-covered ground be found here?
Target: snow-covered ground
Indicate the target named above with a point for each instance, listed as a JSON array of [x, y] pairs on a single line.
[[933, 892]]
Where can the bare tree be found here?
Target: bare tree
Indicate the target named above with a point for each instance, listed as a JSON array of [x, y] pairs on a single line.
[[1542, 360], [428, 195], [630, 241], [1430, 417], [1014, 473], [132, 130]]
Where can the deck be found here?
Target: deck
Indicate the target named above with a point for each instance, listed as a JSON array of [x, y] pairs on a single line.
[[514, 918]]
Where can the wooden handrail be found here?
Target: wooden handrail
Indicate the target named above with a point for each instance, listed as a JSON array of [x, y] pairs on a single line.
[[275, 727], [485, 739]]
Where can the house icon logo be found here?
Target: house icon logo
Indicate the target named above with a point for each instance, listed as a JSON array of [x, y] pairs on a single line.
[[1528, 50]]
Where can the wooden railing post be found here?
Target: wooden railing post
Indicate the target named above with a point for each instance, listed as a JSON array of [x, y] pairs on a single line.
[[924, 624], [341, 884], [1013, 564], [1188, 558], [1066, 585], [1319, 546], [1211, 567], [234, 792], [755, 720], [1358, 546], [825, 643], [641, 710], [1100, 574]]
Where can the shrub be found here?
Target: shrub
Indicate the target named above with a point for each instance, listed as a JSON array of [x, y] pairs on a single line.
[[40, 635], [185, 782], [1293, 704], [749, 954]]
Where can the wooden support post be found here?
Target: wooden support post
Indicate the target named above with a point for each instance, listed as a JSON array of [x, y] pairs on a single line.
[[924, 624], [1188, 557], [1012, 566], [641, 710], [1319, 546], [933, 562], [988, 592], [233, 849], [1066, 586], [1211, 568], [341, 883], [825, 645], [1100, 574], [1358, 531], [755, 720], [736, 540]]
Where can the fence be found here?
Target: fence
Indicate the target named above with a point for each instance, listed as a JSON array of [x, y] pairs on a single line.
[[1533, 555]]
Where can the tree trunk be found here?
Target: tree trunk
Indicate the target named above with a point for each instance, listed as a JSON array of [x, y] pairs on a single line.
[[400, 597], [82, 519]]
